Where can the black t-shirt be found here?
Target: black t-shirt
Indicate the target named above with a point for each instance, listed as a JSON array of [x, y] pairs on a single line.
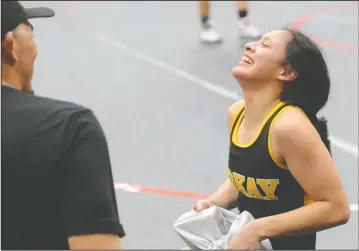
[[56, 178]]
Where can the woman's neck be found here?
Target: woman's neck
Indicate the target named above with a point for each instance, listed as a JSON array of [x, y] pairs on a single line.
[[258, 103]]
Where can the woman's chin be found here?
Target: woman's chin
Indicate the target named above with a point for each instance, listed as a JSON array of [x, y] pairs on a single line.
[[237, 71]]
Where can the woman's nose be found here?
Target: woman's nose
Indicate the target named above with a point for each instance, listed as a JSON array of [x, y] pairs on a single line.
[[249, 47]]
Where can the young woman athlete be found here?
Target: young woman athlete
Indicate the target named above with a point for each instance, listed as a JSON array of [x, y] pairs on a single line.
[[280, 166]]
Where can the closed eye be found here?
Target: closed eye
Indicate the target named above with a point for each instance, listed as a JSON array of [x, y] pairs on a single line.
[[264, 40]]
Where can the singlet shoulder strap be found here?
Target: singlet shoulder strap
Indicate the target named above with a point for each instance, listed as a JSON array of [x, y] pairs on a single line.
[[271, 121], [282, 106], [236, 117], [306, 200]]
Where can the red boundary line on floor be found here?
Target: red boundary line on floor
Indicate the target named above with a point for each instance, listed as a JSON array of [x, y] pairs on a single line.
[[172, 193], [299, 22]]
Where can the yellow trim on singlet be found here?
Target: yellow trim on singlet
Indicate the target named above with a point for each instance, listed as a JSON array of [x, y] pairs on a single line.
[[236, 116], [307, 200], [270, 150], [268, 116]]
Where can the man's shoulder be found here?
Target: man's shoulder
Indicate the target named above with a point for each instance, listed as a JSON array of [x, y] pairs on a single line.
[[18, 101], [65, 120], [52, 104], [59, 109], [40, 110], [48, 117]]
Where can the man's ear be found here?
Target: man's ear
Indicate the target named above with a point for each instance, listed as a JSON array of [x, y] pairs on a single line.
[[287, 74], [8, 49]]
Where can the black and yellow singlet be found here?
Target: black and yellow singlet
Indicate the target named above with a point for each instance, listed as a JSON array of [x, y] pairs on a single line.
[[265, 187]]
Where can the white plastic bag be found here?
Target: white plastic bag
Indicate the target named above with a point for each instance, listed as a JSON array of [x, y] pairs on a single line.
[[212, 228]]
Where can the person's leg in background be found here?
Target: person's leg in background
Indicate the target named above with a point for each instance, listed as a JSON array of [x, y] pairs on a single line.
[[246, 28], [208, 33]]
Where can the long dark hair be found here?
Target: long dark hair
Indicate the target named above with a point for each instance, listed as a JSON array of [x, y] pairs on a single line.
[[310, 89]]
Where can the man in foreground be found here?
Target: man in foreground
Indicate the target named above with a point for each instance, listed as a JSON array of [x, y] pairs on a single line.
[[57, 186]]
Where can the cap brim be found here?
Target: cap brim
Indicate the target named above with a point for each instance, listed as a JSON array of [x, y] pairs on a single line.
[[39, 12]]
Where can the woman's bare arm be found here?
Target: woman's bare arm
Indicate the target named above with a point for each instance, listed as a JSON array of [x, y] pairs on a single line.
[[227, 194], [298, 144]]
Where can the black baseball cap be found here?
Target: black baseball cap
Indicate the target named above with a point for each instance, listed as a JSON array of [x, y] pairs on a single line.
[[14, 13]]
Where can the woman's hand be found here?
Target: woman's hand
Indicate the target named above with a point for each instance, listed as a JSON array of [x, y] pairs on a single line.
[[203, 204], [247, 238]]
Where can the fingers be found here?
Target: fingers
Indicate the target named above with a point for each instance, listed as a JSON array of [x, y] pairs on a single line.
[[202, 204], [197, 206]]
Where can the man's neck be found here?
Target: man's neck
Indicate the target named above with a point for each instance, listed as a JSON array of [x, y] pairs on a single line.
[[11, 79], [12, 84]]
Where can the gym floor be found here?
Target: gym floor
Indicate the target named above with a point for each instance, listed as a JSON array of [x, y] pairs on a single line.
[[162, 97]]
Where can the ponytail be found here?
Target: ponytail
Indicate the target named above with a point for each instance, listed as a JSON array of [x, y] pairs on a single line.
[[321, 125], [310, 89], [294, 95]]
